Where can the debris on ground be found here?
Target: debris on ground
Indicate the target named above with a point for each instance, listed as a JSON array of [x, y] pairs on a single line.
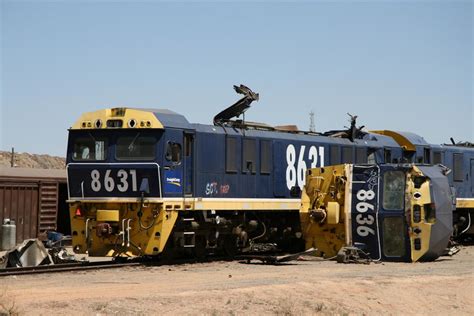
[[353, 255], [272, 259], [33, 253]]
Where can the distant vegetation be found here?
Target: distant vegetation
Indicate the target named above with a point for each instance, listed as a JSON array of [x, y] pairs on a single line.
[[26, 160]]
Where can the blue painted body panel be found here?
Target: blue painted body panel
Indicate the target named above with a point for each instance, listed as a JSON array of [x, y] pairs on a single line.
[[204, 173], [212, 180], [464, 188]]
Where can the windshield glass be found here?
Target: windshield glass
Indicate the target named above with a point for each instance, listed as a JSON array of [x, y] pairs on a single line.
[[89, 148], [394, 237], [135, 148], [393, 190]]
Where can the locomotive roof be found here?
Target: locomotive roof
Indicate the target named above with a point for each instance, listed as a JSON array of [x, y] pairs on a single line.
[[375, 139], [415, 139], [452, 148], [163, 118], [142, 118], [407, 140], [169, 118]]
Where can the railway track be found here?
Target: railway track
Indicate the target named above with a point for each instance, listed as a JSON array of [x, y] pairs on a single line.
[[87, 265], [65, 267]]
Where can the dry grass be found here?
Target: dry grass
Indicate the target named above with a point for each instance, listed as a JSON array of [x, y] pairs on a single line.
[[288, 307], [7, 304]]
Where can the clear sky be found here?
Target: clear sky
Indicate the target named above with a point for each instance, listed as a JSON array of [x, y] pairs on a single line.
[[397, 65]]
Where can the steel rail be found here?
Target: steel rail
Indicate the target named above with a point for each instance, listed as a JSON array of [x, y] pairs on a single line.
[[87, 265], [146, 262], [65, 267]]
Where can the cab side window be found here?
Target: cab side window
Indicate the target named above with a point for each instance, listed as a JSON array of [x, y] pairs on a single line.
[[387, 155], [173, 152], [89, 149], [371, 159]]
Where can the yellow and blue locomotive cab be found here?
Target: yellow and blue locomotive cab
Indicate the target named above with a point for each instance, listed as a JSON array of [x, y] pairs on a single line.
[[121, 164], [392, 212], [459, 157]]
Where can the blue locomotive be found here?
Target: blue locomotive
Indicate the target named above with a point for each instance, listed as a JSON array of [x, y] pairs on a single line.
[[144, 181]]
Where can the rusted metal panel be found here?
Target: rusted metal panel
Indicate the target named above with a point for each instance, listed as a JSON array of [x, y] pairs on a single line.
[[30, 197], [19, 201]]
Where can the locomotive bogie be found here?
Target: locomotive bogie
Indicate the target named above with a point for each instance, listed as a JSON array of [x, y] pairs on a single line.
[[128, 229]]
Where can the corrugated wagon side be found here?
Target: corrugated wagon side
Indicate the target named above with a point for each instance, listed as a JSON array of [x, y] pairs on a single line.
[[34, 199]]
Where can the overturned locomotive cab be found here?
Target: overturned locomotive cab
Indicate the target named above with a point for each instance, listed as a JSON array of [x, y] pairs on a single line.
[[387, 212]]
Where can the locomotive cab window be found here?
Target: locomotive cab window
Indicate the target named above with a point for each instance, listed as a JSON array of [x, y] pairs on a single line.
[[89, 149], [408, 156], [387, 155], [394, 237], [371, 156], [188, 145], [173, 152], [249, 161], [394, 190], [135, 148], [426, 155]]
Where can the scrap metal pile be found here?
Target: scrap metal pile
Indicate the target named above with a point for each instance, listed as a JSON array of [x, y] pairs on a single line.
[[33, 253]]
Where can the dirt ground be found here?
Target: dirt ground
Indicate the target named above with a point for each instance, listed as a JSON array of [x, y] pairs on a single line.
[[444, 287]]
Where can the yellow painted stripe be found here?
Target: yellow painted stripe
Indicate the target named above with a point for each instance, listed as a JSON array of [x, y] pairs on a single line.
[[247, 204], [211, 203], [464, 203]]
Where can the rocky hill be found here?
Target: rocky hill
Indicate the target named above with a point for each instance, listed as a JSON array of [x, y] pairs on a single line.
[[26, 160]]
